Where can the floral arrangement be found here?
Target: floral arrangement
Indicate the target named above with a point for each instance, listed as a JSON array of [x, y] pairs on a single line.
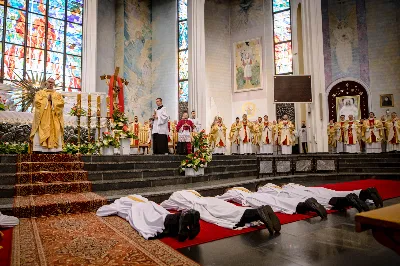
[[125, 133], [3, 106], [109, 140], [85, 148], [120, 120], [201, 156], [13, 148], [74, 111]]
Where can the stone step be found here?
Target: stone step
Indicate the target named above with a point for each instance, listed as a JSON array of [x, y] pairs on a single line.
[[51, 177], [367, 169], [8, 158], [48, 158], [134, 165], [8, 168], [49, 166], [56, 204], [146, 173], [7, 178], [53, 188], [368, 165], [216, 187], [118, 184]]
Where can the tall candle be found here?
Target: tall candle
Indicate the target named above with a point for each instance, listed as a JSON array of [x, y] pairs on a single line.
[[89, 105], [98, 106], [108, 106], [79, 99]]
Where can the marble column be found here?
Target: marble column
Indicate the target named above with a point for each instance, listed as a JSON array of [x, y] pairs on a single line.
[[197, 69], [314, 66], [89, 50]]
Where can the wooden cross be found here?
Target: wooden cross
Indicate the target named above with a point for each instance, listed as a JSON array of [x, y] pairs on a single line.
[[116, 88]]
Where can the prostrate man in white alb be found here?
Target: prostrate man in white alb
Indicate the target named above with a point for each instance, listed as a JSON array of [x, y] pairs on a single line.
[[160, 129], [293, 205], [196, 122], [8, 221], [220, 212], [327, 197], [151, 220]]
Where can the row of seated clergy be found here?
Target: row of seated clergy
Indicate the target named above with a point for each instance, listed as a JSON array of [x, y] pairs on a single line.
[[350, 135], [257, 206]]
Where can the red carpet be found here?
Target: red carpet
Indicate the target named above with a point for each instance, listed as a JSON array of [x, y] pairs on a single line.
[[209, 232], [5, 243]]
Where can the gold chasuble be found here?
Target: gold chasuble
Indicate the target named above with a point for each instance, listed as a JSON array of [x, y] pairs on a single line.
[[47, 133]]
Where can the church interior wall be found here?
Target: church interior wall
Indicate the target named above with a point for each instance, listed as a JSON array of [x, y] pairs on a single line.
[[105, 41], [362, 42], [165, 55], [218, 59]]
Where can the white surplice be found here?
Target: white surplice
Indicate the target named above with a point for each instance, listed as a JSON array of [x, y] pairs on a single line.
[[197, 124], [212, 210], [160, 124], [258, 199], [143, 215]]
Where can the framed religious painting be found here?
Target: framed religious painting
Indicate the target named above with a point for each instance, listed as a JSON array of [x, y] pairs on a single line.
[[247, 65], [387, 100], [348, 105]]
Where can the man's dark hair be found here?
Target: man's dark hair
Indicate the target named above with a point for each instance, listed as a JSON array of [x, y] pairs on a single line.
[[193, 111], [159, 99], [237, 117]]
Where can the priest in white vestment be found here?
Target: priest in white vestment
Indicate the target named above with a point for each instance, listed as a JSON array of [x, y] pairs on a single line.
[[245, 197], [326, 197], [372, 134], [220, 212], [267, 137], [160, 129], [151, 220], [286, 135], [351, 135], [196, 122], [245, 131], [339, 128], [393, 133]]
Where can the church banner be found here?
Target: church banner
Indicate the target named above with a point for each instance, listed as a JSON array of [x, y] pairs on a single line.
[[247, 65]]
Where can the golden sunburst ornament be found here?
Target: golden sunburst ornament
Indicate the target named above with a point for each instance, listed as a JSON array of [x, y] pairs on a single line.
[[23, 91]]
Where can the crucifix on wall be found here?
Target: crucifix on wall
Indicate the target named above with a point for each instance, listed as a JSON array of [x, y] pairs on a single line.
[[115, 90]]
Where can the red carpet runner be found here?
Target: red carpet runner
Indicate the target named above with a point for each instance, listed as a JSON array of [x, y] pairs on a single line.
[[210, 232]]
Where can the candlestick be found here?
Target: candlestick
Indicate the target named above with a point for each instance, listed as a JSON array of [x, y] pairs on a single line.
[[98, 106], [89, 105], [108, 106], [79, 103]]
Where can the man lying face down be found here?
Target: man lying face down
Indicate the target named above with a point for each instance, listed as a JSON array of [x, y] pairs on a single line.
[[286, 205], [220, 212], [153, 221], [327, 197]]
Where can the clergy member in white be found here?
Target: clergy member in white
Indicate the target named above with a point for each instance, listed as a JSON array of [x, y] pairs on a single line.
[[393, 133], [8, 221], [245, 129], [372, 134], [151, 220], [326, 197], [196, 122], [245, 197], [286, 135], [303, 137], [220, 212], [339, 128], [267, 137], [351, 135], [160, 129]]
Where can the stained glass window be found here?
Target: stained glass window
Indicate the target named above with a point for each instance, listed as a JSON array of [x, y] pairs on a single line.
[[282, 37], [183, 66], [49, 45]]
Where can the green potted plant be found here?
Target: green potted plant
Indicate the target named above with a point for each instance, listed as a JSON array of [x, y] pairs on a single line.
[[107, 143]]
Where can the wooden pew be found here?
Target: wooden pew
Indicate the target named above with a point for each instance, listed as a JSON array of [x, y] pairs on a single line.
[[384, 223]]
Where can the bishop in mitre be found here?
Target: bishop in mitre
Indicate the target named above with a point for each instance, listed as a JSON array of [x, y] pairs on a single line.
[[47, 133]]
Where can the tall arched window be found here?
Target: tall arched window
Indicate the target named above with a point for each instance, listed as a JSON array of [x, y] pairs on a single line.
[[283, 49], [183, 66], [42, 38], [282, 37]]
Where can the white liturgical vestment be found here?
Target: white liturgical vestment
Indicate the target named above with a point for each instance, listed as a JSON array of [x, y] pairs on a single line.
[[143, 215], [8, 221], [212, 210], [197, 124], [160, 124]]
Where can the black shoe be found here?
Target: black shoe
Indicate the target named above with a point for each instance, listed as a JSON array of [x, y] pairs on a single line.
[[312, 205], [372, 194], [354, 201], [276, 224], [195, 230], [263, 211], [185, 222]]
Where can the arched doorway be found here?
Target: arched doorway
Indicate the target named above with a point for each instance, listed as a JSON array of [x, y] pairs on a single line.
[[348, 97]]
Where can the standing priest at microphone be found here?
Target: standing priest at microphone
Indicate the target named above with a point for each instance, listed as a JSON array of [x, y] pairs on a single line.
[[160, 129]]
